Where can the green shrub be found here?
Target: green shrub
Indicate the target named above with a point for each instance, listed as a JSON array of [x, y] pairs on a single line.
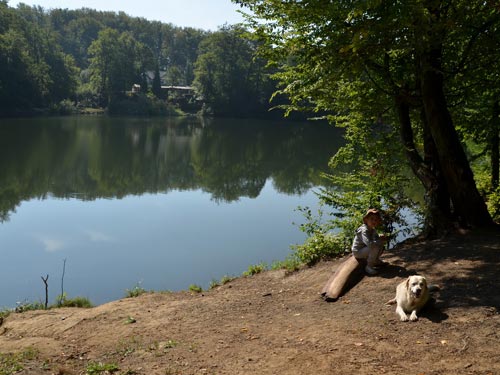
[[65, 107], [170, 344], [493, 202], [136, 291], [28, 306], [225, 279], [140, 105], [82, 302], [4, 313], [290, 264], [12, 363], [98, 368], [195, 288], [213, 284], [64, 301], [255, 269], [317, 247]]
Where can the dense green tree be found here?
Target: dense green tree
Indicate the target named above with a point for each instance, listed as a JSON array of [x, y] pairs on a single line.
[[372, 63], [34, 71], [227, 76], [181, 52], [76, 34], [115, 61], [91, 56]]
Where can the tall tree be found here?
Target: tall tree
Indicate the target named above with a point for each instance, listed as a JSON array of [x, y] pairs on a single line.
[[115, 63], [402, 55], [228, 76], [34, 72]]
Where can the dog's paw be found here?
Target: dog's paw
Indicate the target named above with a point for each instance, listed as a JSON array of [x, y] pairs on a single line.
[[404, 318], [413, 316]]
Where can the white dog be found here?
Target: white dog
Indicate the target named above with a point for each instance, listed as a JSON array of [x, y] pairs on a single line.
[[411, 296]]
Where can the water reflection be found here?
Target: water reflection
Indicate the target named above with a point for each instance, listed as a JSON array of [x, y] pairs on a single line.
[[166, 202], [103, 157]]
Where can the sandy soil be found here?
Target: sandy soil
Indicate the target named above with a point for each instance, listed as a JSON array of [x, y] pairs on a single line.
[[273, 323]]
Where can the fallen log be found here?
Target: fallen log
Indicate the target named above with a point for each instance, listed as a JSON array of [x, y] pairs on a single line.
[[348, 274]]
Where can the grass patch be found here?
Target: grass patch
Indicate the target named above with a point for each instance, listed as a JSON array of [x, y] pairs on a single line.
[[136, 291], [195, 288], [82, 302], [11, 363], [214, 284], [290, 264], [255, 269], [4, 314], [130, 320], [170, 344], [28, 306], [62, 301], [128, 346], [319, 246], [98, 368], [225, 279]]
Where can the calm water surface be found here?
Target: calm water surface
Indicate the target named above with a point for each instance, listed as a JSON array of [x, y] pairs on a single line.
[[163, 203]]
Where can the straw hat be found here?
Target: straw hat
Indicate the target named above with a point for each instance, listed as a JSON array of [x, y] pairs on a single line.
[[371, 212]]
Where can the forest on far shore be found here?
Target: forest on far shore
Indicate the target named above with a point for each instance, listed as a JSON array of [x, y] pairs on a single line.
[[63, 61]]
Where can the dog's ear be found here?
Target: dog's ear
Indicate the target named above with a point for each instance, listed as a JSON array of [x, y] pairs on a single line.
[[407, 283]]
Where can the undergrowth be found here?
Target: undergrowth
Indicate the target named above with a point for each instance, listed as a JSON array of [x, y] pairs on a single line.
[[12, 363]]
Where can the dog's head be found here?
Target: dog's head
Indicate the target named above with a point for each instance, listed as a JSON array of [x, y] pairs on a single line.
[[416, 285]]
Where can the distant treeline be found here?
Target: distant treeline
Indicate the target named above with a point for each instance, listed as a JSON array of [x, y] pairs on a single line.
[[62, 60]]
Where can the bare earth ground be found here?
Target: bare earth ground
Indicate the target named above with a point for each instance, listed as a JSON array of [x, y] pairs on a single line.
[[274, 323]]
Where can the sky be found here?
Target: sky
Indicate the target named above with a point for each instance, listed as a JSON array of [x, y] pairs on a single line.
[[201, 14]]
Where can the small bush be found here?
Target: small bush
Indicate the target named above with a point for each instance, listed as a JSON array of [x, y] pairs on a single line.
[[12, 363], [64, 301], [136, 291], [82, 302], [255, 269], [214, 284], [170, 344], [195, 288], [65, 107], [290, 264], [4, 314], [98, 368], [493, 202], [317, 247], [140, 105], [225, 279], [28, 306]]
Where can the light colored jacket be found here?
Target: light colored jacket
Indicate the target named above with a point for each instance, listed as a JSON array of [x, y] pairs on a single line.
[[365, 237]]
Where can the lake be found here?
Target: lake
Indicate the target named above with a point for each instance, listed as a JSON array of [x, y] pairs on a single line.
[[159, 203]]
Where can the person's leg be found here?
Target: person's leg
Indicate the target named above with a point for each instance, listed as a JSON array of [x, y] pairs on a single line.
[[361, 253], [378, 262], [367, 253], [373, 259]]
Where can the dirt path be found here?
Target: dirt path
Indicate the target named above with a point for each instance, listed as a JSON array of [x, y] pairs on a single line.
[[274, 323]]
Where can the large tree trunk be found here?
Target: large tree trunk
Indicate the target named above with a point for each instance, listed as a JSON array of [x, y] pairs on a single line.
[[441, 197], [427, 170], [495, 145], [468, 205]]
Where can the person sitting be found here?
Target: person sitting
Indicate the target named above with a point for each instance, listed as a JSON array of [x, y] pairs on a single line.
[[367, 243]]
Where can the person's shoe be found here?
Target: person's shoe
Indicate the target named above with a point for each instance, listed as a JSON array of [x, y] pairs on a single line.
[[370, 271]]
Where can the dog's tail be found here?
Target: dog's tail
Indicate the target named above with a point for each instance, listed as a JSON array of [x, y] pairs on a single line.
[[391, 302]]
